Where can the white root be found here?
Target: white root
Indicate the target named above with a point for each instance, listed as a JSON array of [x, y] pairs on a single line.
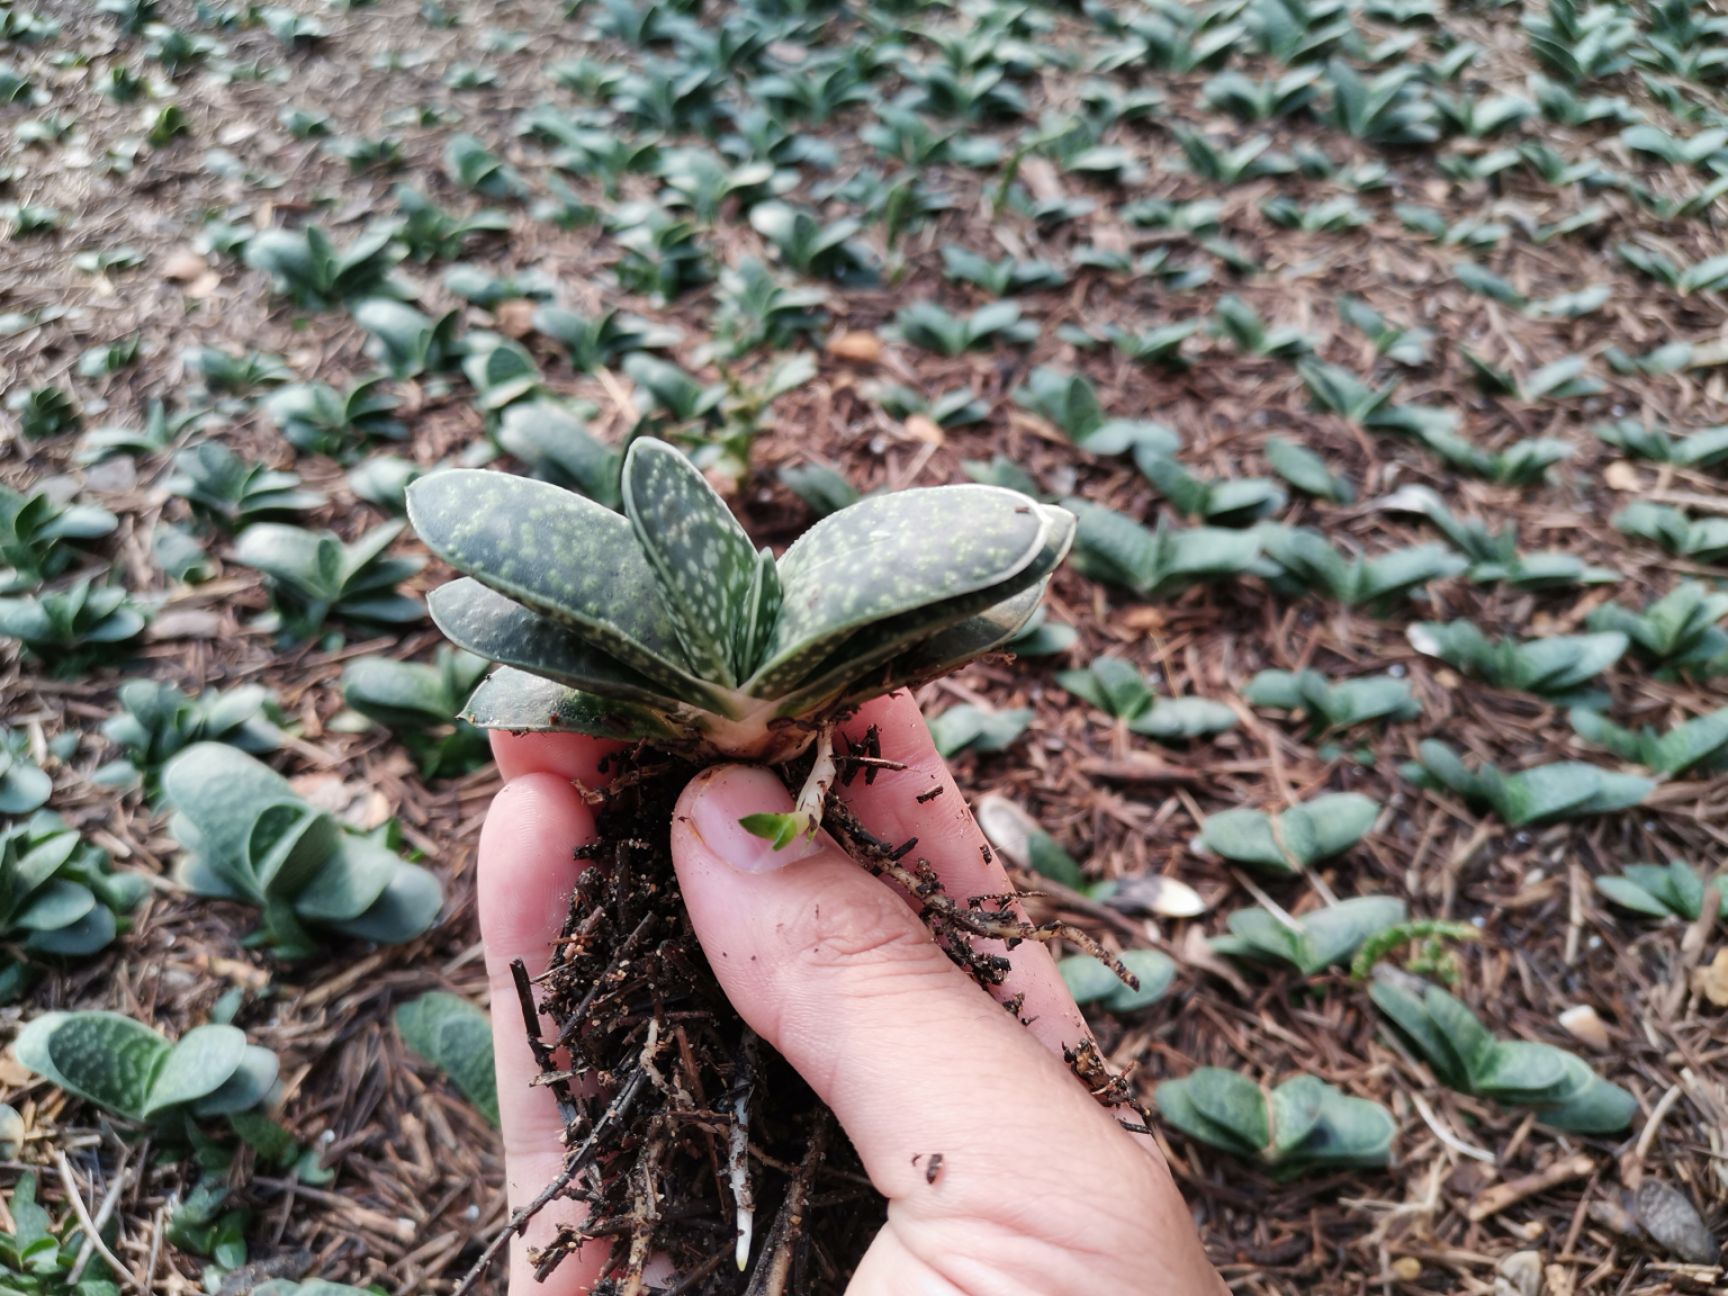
[[813, 796], [738, 1152]]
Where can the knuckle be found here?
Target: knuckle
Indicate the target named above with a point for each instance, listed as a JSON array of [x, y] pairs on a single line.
[[863, 931]]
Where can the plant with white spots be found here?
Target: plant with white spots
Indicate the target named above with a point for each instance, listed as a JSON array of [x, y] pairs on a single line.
[[666, 623]]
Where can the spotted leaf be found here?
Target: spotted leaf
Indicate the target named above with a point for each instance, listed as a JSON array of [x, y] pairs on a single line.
[[564, 556], [892, 556], [492, 626], [705, 563]]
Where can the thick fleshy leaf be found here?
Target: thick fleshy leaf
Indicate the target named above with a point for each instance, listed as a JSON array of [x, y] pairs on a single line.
[[1295, 1109], [1233, 1102], [495, 627], [1091, 981], [1408, 1011], [1178, 1105], [408, 906], [1522, 1072], [103, 1057], [705, 563], [564, 556], [196, 1066], [456, 1037], [989, 630], [95, 930], [880, 644], [523, 703], [352, 874], [220, 793], [879, 561], [1468, 1041], [1349, 1132], [1179, 719], [1289, 842], [249, 1084], [58, 904], [1600, 1108]]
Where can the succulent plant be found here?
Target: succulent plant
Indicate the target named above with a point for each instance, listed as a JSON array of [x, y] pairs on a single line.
[[1287, 843], [314, 575], [667, 623], [420, 702], [249, 837], [1465, 1056], [1314, 941], [156, 721], [456, 1037], [72, 626], [224, 488], [34, 534], [319, 419], [23, 784], [1700, 741], [1302, 1124], [1667, 890], [1327, 705], [1090, 980], [127, 1068], [1539, 794], [1118, 689], [56, 894], [1555, 666]]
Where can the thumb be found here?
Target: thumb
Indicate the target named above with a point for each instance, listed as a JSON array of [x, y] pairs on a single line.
[[834, 970]]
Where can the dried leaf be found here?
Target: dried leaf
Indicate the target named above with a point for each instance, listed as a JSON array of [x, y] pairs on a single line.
[[1711, 981], [1673, 1222]]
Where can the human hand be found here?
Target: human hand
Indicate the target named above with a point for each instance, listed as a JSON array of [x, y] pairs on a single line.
[[1040, 1190]]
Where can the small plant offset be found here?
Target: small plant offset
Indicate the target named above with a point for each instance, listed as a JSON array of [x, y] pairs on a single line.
[[1302, 1124], [57, 896], [248, 837], [127, 1068], [1465, 1056]]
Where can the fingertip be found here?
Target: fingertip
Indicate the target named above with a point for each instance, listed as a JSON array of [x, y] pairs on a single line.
[[576, 758], [527, 864]]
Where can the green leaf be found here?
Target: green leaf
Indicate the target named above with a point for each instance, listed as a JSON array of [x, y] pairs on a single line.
[[456, 1037], [1289, 842], [702, 558], [873, 562], [195, 1067], [1306, 471], [1092, 981], [779, 829], [561, 555], [102, 1057]]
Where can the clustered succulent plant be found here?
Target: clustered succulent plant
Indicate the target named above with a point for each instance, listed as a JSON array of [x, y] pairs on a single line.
[[667, 623], [248, 836]]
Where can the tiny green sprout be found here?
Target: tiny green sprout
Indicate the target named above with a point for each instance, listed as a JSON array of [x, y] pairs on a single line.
[[779, 830], [1428, 935]]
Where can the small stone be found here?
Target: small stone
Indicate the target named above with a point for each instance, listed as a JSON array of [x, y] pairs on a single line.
[[926, 429], [1583, 1024], [1519, 1274], [1622, 476], [1406, 1268], [859, 348], [183, 266]]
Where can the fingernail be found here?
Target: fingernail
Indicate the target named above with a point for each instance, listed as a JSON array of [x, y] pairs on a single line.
[[726, 795]]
